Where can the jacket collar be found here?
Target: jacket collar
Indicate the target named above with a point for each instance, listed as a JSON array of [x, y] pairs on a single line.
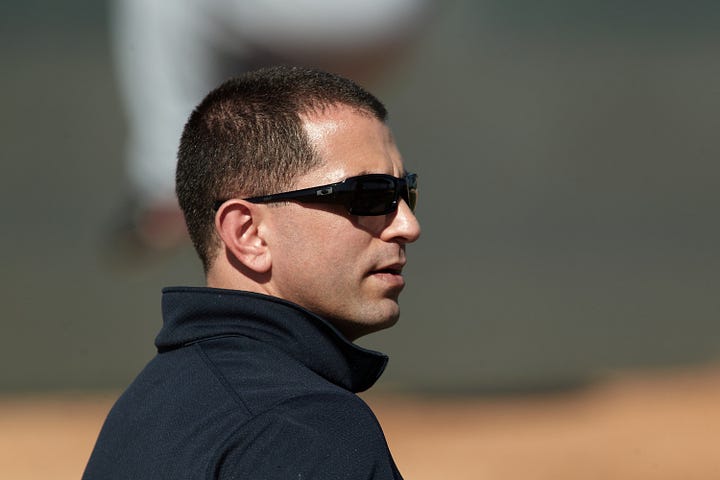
[[192, 314]]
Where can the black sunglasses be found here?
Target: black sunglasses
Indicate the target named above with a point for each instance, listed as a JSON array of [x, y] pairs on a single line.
[[364, 195]]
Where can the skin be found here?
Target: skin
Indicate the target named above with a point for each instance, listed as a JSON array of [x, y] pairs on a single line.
[[345, 268]]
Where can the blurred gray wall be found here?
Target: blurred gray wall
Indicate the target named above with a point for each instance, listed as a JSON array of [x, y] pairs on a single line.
[[569, 194]]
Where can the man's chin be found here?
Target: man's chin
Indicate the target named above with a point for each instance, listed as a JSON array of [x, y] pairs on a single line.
[[369, 324], [384, 320]]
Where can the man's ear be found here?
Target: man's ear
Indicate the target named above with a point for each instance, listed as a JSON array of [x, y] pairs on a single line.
[[238, 223]]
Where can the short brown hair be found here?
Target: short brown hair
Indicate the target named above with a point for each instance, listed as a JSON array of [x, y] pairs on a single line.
[[246, 138]]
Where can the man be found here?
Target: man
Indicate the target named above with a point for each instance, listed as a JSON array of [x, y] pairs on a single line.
[[300, 208]]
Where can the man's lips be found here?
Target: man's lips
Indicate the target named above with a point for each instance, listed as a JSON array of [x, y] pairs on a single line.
[[392, 269], [390, 274]]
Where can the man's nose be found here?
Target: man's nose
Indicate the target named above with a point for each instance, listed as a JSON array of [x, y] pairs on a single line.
[[404, 225]]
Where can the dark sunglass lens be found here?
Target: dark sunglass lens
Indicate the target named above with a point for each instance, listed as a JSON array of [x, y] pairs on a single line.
[[373, 197]]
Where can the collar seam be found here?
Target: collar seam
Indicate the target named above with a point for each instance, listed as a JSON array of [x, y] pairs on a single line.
[[227, 386]]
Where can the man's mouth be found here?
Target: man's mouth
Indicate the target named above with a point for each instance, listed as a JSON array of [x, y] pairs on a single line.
[[390, 275], [390, 270]]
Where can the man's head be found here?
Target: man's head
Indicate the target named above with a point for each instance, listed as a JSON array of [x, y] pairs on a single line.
[[284, 129]]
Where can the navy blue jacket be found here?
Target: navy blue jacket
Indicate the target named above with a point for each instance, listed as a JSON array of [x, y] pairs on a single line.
[[245, 386]]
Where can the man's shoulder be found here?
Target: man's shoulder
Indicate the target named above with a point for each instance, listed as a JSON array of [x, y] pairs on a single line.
[[316, 435], [325, 410]]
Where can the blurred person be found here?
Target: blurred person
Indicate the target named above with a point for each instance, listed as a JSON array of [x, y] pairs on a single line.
[[300, 208], [168, 54]]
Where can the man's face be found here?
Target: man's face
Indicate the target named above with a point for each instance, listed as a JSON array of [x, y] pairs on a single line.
[[344, 268]]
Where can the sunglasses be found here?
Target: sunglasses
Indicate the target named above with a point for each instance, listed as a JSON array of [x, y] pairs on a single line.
[[364, 195]]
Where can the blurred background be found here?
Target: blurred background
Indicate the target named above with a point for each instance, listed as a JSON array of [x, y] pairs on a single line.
[[567, 154], [568, 159]]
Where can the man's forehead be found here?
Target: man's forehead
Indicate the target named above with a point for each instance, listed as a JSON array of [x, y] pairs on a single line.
[[323, 123], [319, 128], [349, 141]]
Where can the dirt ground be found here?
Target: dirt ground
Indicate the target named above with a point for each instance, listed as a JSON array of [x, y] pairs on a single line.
[[634, 426]]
